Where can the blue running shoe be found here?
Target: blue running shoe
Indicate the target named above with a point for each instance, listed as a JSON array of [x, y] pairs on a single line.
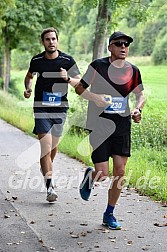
[[111, 222], [86, 185]]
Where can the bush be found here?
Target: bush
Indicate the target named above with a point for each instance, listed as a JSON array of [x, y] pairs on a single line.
[[159, 54], [20, 59], [150, 34], [1, 83], [14, 90], [152, 131]]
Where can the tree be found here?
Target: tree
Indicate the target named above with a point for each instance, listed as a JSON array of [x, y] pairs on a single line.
[[24, 22], [3, 7], [105, 17], [102, 20], [159, 54]]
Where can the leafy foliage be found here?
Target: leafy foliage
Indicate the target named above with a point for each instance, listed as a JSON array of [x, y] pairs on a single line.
[[159, 54], [28, 18]]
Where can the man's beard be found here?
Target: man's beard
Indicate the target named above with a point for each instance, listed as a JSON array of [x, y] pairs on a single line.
[[50, 52]]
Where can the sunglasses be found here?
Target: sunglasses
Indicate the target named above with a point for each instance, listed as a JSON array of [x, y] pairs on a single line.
[[121, 43]]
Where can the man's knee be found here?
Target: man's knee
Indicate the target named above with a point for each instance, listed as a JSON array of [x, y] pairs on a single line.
[[101, 176], [119, 172]]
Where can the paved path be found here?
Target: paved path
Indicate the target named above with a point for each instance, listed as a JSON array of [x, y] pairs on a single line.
[[29, 223]]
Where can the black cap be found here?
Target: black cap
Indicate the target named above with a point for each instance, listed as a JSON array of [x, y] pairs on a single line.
[[119, 34]]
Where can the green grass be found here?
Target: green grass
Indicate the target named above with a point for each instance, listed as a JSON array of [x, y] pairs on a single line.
[[147, 169], [16, 112], [145, 162]]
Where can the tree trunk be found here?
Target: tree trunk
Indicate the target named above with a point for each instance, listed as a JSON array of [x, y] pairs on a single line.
[[101, 29], [6, 68]]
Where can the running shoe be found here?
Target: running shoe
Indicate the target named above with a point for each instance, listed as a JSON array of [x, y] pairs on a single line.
[[51, 195], [86, 185], [111, 222]]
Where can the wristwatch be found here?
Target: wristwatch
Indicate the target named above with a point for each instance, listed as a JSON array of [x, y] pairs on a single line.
[[69, 78], [140, 110]]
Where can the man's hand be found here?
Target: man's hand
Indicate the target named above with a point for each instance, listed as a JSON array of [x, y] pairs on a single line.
[[102, 100], [63, 74], [136, 115], [27, 93]]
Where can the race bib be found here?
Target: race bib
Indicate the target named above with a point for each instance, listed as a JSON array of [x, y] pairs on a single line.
[[51, 99], [118, 105]]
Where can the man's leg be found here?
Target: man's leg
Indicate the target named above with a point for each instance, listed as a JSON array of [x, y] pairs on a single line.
[[99, 174], [46, 164], [119, 164], [55, 141], [45, 158]]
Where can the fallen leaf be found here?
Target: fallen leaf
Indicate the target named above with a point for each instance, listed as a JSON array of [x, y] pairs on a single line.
[[7, 199], [160, 225], [83, 234], [89, 231], [106, 231], [145, 249], [100, 229], [74, 236], [79, 243], [113, 240], [52, 248], [14, 197], [32, 222], [83, 224], [6, 216]]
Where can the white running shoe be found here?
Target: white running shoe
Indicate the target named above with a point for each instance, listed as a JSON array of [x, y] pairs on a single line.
[[51, 195]]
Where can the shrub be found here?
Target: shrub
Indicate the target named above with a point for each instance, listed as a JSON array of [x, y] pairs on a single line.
[[159, 54]]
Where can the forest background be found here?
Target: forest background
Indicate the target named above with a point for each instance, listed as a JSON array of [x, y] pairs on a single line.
[[84, 28]]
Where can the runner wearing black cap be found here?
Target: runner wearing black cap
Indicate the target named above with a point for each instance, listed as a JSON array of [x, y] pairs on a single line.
[[111, 79]]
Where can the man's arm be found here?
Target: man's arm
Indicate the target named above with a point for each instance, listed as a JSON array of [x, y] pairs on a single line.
[[73, 81], [140, 101], [98, 99], [28, 84]]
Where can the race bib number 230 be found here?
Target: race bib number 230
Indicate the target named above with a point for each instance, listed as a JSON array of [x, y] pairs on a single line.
[[118, 105]]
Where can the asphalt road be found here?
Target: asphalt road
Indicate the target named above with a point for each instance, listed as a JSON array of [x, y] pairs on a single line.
[[29, 223]]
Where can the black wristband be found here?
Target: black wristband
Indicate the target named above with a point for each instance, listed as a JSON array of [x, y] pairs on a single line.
[[69, 78], [140, 110]]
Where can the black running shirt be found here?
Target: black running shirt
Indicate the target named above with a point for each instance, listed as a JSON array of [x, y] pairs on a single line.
[[104, 78], [49, 80]]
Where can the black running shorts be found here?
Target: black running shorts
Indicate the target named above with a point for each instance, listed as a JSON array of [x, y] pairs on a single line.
[[119, 145], [49, 123]]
